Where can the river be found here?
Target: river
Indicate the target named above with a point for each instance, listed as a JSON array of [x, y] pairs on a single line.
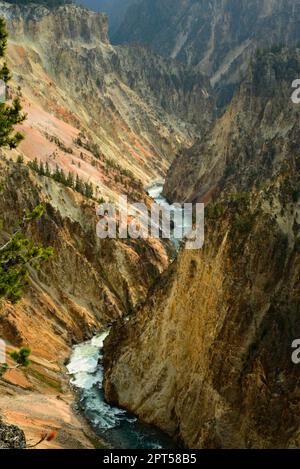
[[176, 212], [116, 427]]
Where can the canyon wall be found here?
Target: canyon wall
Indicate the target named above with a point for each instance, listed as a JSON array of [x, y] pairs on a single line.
[[217, 37], [248, 143], [137, 107], [87, 284], [114, 116], [208, 358], [115, 9]]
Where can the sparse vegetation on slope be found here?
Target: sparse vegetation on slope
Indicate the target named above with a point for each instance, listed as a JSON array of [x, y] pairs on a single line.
[[18, 254], [74, 182], [10, 114]]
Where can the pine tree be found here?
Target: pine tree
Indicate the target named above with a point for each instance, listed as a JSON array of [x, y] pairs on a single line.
[[19, 254], [5, 74], [21, 358], [3, 37], [34, 165], [63, 178], [20, 159], [10, 115], [78, 185], [70, 180], [47, 170], [57, 175], [41, 169], [88, 190]]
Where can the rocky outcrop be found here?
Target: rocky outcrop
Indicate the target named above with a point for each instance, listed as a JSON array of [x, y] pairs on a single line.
[[11, 437], [248, 143], [94, 111], [218, 37], [136, 106], [89, 283], [208, 358], [40, 24]]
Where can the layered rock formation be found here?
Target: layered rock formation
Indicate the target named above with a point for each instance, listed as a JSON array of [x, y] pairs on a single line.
[[88, 284], [208, 358], [250, 140], [218, 37], [115, 117], [137, 107]]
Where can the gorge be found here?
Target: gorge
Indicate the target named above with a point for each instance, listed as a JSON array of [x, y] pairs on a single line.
[[184, 101], [230, 309]]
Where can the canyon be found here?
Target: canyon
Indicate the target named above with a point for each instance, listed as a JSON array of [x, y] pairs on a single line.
[[137, 108], [248, 140], [199, 96], [217, 38], [229, 310], [88, 284], [94, 112]]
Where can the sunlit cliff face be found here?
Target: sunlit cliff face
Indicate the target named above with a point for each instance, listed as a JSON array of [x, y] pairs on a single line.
[[229, 310], [136, 107]]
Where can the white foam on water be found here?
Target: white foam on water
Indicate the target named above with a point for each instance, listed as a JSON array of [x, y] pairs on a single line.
[[186, 224], [86, 373], [84, 362]]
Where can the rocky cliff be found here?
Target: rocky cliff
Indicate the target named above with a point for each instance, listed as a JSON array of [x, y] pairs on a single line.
[[115, 117], [137, 107], [250, 140], [41, 24], [218, 37], [88, 284], [208, 359]]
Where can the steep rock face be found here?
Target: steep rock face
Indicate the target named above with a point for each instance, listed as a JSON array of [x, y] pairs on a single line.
[[89, 283], [137, 107], [107, 133], [250, 140], [208, 359], [218, 36], [68, 23]]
